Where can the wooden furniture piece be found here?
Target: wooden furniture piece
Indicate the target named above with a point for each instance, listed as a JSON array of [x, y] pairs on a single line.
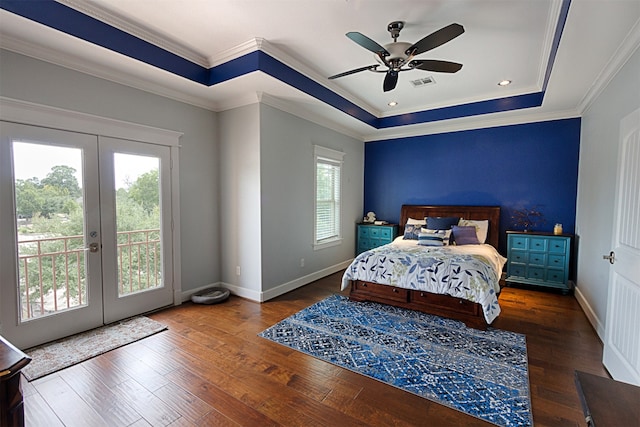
[[369, 236], [607, 402], [12, 361], [441, 305], [539, 259]]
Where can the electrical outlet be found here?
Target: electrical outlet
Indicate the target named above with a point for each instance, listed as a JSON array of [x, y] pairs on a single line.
[[301, 262], [237, 270]]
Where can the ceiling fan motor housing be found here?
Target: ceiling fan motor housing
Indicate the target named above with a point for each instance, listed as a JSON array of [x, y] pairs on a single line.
[[397, 52]]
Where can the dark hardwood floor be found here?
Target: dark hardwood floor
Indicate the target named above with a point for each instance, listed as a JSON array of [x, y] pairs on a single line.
[[211, 368]]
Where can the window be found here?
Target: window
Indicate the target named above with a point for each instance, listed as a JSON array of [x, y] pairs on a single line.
[[328, 166]]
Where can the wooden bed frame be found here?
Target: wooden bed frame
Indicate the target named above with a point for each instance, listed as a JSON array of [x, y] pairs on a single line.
[[441, 305]]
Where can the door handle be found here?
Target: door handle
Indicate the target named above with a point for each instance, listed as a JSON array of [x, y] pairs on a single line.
[[611, 257], [93, 247]]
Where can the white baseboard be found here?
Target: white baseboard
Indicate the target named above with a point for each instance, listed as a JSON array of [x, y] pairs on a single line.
[[304, 280], [273, 292], [588, 311]]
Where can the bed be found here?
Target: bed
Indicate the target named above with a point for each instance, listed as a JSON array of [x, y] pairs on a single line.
[[455, 281]]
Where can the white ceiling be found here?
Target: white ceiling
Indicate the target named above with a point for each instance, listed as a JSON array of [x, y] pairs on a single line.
[[503, 39]]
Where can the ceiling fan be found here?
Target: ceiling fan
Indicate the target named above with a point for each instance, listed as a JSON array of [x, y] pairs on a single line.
[[398, 56]]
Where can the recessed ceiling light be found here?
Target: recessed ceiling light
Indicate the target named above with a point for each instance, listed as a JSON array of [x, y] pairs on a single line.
[[504, 83], [393, 103]]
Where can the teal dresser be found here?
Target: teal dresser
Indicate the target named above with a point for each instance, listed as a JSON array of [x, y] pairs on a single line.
[[369, 236], [539, 259]]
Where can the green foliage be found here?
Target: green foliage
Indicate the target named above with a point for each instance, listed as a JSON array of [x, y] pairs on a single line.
[[53, 210], [145, 190], [63, 178]]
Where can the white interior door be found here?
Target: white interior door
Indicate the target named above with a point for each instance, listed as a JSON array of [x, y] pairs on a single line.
[[622, 330], [51, 282], [85, 231]]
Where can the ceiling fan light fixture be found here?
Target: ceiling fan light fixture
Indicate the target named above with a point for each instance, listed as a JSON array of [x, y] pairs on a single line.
[[398, 56], [504, 82]]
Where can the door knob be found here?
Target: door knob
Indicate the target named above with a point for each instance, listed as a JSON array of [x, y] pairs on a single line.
[[611, 257], [93, 247]]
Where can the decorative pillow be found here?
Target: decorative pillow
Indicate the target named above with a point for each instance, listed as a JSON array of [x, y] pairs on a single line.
[[465, 235], [413, 221], [431, 238], [411, 231], [446, 234], [441, 222], [482, 227]]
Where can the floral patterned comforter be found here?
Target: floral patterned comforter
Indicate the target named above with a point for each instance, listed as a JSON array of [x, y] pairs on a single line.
[[471, 272]]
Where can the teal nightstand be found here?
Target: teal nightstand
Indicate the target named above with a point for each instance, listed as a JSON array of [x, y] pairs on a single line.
[[539, 259], [369, 236]]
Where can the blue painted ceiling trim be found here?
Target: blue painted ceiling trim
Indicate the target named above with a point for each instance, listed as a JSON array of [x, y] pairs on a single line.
[[72, 22], [235, 68], [294, 78], [465, 110], [75, 23], [562, 20]]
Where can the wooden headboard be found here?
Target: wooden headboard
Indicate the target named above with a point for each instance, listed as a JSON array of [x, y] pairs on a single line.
[[492, 213]]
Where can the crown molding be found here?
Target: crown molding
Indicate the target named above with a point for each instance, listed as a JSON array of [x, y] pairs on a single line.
[[74, 63], [135, 29], [235, 52], [508, 118], [619, 58], [549, 34], [291, 108], [302, 68]]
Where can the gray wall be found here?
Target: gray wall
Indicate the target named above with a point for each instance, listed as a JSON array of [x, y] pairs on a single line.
[[267, 200], [288, 172], [600, 135], [27, 79], [240, 200]]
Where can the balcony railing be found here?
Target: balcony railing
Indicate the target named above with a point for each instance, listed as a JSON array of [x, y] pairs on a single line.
[[52, 270]]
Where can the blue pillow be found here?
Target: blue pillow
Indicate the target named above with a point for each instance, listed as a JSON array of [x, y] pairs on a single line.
[[441, 222], [431, 238], [411, 231], [465, 235]]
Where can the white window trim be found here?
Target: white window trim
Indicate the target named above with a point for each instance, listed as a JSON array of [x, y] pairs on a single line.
[[336, 156]]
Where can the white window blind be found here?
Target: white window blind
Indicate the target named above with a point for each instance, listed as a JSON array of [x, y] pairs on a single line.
[[328, 166]]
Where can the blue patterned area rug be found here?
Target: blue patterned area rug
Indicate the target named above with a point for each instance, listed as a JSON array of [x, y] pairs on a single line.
[[481, 373]]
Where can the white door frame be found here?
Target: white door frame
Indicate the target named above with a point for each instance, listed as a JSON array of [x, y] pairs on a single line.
[[22, 112]]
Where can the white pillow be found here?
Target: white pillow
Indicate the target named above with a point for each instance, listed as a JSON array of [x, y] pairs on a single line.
[[482, 227], [412, 221]]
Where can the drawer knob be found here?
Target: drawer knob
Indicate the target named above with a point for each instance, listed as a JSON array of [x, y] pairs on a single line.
[[395, 290]]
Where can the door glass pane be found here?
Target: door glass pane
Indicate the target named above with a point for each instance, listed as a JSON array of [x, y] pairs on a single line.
[[138, 223], [50, 223]]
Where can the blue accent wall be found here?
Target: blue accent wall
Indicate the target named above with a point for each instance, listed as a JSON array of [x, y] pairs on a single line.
[[517, 166]]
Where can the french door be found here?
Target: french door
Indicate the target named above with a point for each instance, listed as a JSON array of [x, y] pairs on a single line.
[[85, 231]]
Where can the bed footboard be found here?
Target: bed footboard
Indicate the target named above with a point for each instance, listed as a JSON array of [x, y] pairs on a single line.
[[440, 305]]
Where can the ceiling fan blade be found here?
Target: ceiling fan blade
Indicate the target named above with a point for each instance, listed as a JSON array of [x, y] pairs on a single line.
[[436, 65], [390, 81], [357, 70], [436, 39], [367, 43]]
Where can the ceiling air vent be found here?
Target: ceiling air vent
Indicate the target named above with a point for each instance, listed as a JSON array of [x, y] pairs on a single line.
[[423, 81]]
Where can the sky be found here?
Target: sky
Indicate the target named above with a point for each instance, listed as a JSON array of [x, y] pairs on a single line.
[[36, 160]]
